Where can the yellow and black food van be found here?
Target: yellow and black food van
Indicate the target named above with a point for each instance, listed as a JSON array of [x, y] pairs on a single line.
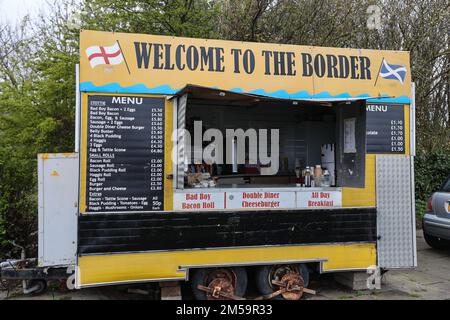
[[150, 208]]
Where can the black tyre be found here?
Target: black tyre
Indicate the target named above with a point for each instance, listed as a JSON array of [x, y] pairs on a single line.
[[435, 242], [41, 285], [265, 275], [237, 275]]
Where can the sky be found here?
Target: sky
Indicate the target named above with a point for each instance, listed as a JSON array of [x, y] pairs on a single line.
[[13, 11]]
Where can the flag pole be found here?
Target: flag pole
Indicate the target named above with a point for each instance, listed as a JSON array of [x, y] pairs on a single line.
[[126, 63], [378, 75]]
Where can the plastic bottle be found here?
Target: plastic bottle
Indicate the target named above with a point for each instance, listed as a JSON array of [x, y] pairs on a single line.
[[326, 179]]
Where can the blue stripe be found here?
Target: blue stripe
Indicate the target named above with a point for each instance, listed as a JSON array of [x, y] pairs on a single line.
[[280, 94]]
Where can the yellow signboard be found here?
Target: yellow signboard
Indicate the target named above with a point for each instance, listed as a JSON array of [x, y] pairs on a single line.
[[149, 64]]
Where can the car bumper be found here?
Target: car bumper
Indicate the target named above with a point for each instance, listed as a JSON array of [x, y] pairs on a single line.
[[436, 226]]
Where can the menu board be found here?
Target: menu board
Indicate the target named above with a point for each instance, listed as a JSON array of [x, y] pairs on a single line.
[[385, 128], [125, 154]]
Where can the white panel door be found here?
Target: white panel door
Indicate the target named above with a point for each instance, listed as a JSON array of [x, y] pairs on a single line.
[[58, 208]]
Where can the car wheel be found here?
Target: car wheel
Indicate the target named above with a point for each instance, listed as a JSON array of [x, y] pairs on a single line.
[[435, 242]]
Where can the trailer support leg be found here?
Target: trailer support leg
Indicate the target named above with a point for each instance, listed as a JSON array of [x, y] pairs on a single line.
[[369, 280], [170, 290]]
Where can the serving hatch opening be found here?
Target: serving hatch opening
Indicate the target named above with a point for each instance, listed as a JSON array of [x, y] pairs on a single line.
[[230, 139]]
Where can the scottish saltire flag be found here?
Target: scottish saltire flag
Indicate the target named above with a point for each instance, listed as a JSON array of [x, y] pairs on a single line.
[[392, 71], [104, 55]]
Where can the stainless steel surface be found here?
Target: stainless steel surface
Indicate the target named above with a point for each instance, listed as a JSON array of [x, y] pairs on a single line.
[[413, 210], [395, 214]]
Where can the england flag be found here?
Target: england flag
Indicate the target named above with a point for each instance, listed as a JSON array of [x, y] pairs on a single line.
[[111, 55], [392, 71]]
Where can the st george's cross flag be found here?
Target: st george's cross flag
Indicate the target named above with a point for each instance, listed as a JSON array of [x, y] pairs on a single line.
[[111, 55]]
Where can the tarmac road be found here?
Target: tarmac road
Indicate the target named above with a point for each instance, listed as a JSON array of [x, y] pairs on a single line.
[[430, 280]]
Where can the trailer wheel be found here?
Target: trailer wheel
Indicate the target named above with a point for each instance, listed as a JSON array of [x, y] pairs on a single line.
[[232, 281], [40, 284], [266, 274]]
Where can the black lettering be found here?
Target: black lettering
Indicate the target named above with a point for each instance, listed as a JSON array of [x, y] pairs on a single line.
[[192, 58], [279, 64], [236, 54], [332, 62], [206, 58], [219, 60], [365, 68], [267, 55], [307, 67], [354, 67], [157, 56], [291, 64], [344, 67], [142, 53], [319, 65], [168, 65], [249, 61], [180, 66]]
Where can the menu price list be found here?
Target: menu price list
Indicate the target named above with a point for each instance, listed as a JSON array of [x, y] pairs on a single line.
[[385, 128], [125, 154]]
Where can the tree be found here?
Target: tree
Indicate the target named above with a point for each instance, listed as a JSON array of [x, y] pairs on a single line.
[[37, 71], [37, 100], [189, 18], [421, 27]]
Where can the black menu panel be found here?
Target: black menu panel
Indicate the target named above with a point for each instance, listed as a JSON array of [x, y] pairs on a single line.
[[385, 128], [125, 154]]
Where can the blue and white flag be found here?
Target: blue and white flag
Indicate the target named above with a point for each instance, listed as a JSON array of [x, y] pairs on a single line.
[[392, 71]]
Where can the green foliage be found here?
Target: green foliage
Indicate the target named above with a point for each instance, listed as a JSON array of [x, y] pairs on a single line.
[[37, 74], [431, 168], [421, 205], [36, 115], [37, 92], [189, 18]]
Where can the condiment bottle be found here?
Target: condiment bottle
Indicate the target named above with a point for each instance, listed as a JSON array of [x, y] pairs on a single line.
[[317, 175], [326, 179], [307, 177]]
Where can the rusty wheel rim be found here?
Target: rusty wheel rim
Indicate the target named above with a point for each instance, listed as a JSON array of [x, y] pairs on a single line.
[[291, 278], [277, 272], [220, 280], [294, 284]]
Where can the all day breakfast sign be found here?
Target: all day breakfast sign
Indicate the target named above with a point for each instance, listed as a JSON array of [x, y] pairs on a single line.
[[136, 63]]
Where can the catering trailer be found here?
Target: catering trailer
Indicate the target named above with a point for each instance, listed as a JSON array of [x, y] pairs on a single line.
[[214, 161]]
